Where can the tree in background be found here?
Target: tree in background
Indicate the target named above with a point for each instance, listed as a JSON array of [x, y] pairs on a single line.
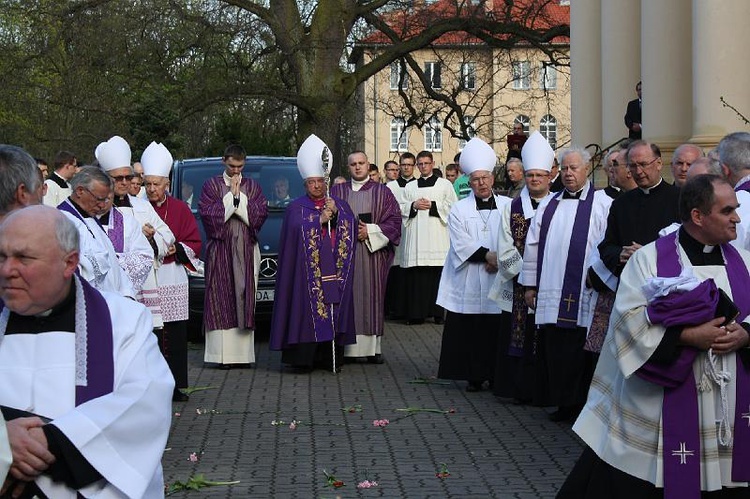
[[74, 73]]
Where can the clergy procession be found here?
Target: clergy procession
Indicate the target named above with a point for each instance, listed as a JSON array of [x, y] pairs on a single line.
[[621, 309]]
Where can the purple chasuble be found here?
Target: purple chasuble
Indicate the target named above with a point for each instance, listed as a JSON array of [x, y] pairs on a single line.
[[680, 416], [567, 317], [313, 299], [377, 205], [116, 231], [519, 228]]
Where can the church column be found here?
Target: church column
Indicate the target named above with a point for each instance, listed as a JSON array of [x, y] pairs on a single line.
[[620, 64], [585, 70], [719, 68], [666, 61]]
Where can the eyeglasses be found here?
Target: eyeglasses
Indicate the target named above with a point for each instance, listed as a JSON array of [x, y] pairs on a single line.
[[642, 166], [479, 180], [98, 199], [122, 178]]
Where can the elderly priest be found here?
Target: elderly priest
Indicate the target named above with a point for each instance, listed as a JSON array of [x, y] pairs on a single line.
[[83, 386]]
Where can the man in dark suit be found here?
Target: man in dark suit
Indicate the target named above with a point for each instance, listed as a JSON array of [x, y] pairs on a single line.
[[633, 116]]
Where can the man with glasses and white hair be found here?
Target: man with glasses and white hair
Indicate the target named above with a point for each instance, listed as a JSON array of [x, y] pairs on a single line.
[[473, 319], [98, 264], [562, 236]]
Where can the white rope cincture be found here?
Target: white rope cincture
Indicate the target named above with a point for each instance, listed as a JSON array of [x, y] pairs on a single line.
[[721, 378]]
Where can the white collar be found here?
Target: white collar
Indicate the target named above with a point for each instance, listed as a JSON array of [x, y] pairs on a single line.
[[647, 190], [357, 184]]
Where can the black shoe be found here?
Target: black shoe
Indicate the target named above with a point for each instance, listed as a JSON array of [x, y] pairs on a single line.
[[414, 322], [225, 367], [178, 396], [562, 414], [474, 386], [376, 359], [439, 321]]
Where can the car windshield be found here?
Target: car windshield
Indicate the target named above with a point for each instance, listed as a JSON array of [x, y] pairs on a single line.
[[278, 178]]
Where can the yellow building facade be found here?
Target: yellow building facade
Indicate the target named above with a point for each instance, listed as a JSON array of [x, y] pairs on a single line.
[[493, 88]]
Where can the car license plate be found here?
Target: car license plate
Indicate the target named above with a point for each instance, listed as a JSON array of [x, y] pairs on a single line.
[[264, 295]]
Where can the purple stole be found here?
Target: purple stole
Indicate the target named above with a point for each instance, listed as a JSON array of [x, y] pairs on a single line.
[[329, 262], [69, 208], [681, 428], [519, 227], [744, 186], [99, 355], [567, 317], [115, 230]]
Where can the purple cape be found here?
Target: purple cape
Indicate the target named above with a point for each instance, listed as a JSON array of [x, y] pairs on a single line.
[[314, 278]]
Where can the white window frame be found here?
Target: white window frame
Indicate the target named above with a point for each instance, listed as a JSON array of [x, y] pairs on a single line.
[[468, 76], [548, 129], [548, 76], [521, 72], [430, 72], [469, 125], [525, 121], [396, 75], [399, 135], [433, 135]]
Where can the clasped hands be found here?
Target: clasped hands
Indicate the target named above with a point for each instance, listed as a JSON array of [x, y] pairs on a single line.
[[712, 335], [328, 212], [31, 455]]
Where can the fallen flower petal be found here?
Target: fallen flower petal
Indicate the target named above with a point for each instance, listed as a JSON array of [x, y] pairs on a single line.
[[193, 457]]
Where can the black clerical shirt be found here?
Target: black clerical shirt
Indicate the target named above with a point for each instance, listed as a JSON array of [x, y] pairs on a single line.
[[638, 217]]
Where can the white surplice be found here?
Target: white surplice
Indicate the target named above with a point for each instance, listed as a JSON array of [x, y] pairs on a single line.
[[509, 259], [464, 286], [55, 194], [98, 261], [549, 289], [121, 434], [142, 211], [424, 238], [137, 257]]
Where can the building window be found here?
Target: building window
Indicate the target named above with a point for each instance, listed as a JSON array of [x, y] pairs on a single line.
[[433, 135], [399, 135], [521, 75], [397, 69], [468, 76], [432, 72], [525, 121], [548, 129], [548, 77], [470, 131]]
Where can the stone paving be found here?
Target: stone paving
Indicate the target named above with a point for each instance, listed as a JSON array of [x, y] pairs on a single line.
[[491, 449]]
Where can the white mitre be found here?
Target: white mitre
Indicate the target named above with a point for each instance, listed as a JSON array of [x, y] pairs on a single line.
[[477, 155], [537, 154], [313, 158], [113, 154], [156, 160]]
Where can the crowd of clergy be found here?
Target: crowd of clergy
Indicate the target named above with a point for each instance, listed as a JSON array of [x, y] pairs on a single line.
[[623, 308]]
